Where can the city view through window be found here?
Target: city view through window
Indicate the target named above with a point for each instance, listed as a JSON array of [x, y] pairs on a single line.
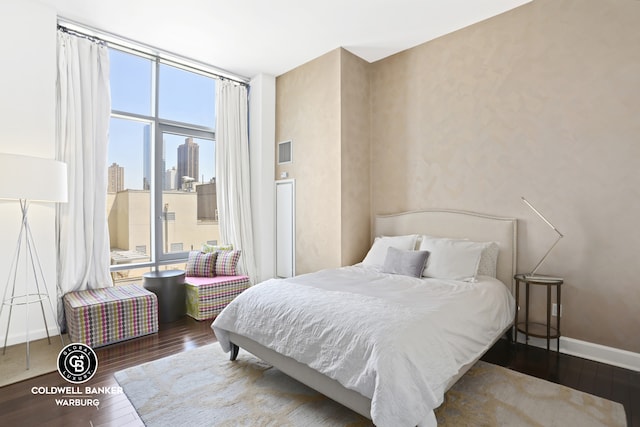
[[161, 194]]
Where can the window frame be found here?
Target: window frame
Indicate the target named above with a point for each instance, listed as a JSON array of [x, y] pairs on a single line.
[[159, 126], [176, 128]]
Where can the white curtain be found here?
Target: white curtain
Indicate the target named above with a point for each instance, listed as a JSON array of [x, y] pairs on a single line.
[[83, 107], [232, 171]]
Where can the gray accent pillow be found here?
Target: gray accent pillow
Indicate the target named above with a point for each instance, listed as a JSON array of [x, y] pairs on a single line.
[[407, 263]]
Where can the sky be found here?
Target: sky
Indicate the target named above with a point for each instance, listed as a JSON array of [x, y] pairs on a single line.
[[183, 96]]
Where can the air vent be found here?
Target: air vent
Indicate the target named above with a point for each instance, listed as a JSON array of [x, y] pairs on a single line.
[[284, 152]]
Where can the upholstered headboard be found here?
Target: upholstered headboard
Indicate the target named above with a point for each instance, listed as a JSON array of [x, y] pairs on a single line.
[[460, 225]]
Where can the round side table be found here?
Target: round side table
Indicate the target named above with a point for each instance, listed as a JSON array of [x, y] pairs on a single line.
[[534, 329], [168, 285]]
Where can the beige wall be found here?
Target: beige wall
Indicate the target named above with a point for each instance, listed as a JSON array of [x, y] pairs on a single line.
[[308, 113], [323, 107], [355, 158], [541, 102]]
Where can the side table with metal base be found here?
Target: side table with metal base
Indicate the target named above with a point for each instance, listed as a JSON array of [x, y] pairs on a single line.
[[534, 329]]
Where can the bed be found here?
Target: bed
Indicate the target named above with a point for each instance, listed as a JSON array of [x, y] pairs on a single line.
[[392, 344]]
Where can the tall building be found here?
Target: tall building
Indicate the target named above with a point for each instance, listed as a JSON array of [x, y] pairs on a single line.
[[207, 202], [146, 158], [188, 162], [170, 179], [116, 178]]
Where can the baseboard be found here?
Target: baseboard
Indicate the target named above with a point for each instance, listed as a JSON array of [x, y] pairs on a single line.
[[36, 334], [586, 350]]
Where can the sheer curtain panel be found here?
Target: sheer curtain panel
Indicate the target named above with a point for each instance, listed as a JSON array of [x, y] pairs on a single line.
[[232, 171], [83, 108]]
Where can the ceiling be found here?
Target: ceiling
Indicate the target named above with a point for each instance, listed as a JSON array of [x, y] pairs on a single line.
[[249, 37]]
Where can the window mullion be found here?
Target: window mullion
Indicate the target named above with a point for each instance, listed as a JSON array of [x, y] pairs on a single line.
[[156, 193], [131, 116]]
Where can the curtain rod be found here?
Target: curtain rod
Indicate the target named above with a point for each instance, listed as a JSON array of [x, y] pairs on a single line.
[[81, 35], [116, 41]]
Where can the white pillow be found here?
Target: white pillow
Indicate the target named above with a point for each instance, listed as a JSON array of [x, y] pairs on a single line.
[[452, 259], [378, 251]]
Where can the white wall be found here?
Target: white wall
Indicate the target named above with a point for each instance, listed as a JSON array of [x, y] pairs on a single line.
[[27, 113], [262, 108]]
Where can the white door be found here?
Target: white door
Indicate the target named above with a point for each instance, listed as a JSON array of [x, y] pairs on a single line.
[[285, 228]]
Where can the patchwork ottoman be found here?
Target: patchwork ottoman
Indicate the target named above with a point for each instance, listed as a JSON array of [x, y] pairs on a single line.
[[98, 317], [208, 296]]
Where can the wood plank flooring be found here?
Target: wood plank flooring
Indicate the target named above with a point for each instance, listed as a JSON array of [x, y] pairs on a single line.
[[18, 406], [610, 382]]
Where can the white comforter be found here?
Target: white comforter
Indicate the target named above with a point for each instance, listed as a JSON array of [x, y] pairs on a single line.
[[394, 339]]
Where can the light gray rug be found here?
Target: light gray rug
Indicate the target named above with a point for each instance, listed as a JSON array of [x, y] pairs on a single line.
[[44, 359], [202, 388]]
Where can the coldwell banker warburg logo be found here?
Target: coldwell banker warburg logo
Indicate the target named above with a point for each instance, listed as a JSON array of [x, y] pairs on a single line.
[[77, 363]]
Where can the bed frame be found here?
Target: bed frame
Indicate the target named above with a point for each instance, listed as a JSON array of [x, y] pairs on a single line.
[[436, 223]]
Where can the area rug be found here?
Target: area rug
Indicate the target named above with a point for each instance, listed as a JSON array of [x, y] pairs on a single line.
[[202, 388], [43, 359]]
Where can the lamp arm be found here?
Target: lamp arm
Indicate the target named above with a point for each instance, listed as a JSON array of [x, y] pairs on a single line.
[[533, 272], [542, 217]]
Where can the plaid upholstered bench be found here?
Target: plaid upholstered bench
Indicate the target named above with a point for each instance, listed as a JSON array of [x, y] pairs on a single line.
[[208, 296], [98, 317]]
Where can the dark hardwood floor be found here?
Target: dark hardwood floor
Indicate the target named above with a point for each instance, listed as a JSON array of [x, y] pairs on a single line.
[[610, 382], [19, 407]]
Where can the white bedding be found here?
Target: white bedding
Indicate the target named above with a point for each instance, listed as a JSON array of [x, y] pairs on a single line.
[[395, 339]]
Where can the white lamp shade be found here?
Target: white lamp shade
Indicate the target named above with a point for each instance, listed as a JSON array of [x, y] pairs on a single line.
[[32, 178]]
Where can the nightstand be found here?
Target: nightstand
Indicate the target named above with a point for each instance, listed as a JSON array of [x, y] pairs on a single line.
[[532, 328]]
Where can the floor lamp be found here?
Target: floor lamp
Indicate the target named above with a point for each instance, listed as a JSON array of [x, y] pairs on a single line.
[[29, 179]]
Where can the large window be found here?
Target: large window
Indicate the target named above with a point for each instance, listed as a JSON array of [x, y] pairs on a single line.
[[162, 188]]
